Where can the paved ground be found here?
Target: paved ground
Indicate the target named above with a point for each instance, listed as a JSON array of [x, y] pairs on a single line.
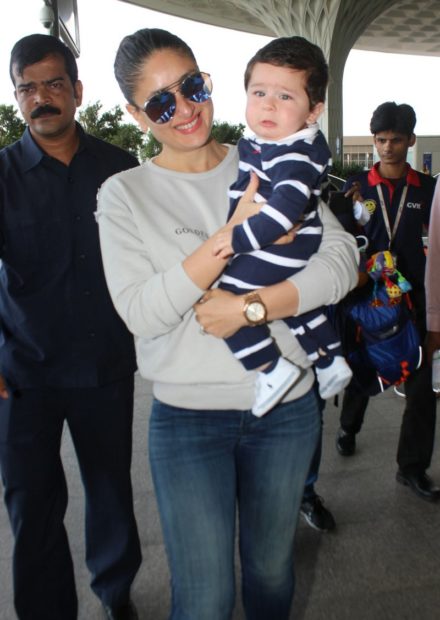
[[382, 562]]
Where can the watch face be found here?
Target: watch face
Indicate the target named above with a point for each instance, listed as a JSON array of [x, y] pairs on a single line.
[[255, 312]]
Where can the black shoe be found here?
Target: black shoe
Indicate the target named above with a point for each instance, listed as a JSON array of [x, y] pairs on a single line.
[[421, 484], [316, 515], [345, 443], [122, 612]]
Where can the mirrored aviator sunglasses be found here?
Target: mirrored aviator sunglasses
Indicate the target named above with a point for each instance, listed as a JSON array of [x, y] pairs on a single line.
[[195, 87]]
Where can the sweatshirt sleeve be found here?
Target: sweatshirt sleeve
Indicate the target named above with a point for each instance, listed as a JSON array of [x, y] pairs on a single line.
[[330, 273], [432, 281], [150, 303]]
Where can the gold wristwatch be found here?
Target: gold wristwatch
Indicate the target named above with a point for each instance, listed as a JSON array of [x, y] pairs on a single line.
[[254, 309]]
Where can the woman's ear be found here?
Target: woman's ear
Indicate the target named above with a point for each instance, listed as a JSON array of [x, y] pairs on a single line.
[[139, 116], [315, 113]]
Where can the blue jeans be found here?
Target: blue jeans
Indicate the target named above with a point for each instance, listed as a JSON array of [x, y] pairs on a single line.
[[205, 465]]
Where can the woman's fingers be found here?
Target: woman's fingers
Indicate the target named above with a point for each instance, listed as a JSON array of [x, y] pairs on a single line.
[[222, 316], [251, 189], [246, 206]]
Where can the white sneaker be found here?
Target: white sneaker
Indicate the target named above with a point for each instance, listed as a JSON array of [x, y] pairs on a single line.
[[334, 378], [270, 387]]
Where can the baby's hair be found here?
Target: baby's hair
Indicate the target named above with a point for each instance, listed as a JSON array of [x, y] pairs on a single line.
[[295, 53]]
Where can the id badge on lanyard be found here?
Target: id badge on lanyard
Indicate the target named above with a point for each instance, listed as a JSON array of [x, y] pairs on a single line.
[[391, 233]]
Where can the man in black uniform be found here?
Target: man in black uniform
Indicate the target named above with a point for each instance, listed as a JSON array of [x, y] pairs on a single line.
[[399, 201], [65, 355]]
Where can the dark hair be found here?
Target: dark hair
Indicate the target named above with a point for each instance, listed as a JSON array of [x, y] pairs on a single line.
[[33, 48], [392, 117], [136, 48], [295, 53]]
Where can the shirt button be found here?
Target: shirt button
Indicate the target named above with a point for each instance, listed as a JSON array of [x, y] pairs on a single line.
[[77, 218], [82, 256], [70, 180], [92, 334], [87, 293]]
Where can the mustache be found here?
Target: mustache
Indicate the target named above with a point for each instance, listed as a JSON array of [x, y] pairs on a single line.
[[44, 109]]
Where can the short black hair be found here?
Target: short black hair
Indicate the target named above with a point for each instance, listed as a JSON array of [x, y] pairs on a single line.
[[33, 48], [390, 116], [135, 49], [295, 53]]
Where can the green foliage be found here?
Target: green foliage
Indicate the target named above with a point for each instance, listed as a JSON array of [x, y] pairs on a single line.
[[342, 171], [223, 132], [150, 148], [226, 133], [11, 126], [109, 127]]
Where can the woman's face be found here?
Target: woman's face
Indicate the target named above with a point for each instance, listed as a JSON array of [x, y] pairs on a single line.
[[190, 127]]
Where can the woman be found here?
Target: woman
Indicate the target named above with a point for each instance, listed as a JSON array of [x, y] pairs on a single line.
[[209, 455]]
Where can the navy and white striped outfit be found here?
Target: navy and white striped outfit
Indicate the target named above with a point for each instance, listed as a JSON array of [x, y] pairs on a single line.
[[291, 172]]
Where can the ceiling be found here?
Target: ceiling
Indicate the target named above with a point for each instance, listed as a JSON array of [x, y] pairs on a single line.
[[407, 27]]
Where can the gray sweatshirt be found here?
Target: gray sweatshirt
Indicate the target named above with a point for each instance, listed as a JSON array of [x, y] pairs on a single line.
[[150, 219]]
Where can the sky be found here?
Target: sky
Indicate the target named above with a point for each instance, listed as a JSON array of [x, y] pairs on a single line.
[[370, 78]]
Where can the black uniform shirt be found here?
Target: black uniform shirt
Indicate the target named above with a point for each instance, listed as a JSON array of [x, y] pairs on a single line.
[[407, 244], [58, 324]]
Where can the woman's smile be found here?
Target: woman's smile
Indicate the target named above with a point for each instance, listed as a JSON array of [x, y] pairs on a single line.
[[190, 126]]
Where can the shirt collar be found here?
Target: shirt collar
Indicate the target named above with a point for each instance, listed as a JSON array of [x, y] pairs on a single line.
[[33, 154], [308, 133], [374, 177]]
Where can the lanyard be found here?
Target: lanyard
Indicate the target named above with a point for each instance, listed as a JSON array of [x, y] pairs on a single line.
[[391, 233]]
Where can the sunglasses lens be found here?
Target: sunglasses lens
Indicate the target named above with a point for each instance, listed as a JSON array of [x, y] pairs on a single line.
[[197, 87], [161, 107]]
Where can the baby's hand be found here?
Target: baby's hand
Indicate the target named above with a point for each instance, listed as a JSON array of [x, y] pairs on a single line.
[[223, 244]]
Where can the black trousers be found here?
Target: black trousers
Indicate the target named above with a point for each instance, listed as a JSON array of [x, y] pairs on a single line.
[[100, 423], [417, 431]]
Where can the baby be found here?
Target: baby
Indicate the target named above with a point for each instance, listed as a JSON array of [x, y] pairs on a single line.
[[285, 83]]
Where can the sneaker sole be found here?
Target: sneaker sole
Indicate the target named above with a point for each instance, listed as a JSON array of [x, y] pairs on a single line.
[[272, 402]]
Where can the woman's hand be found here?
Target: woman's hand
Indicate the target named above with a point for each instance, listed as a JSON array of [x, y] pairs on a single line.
[[246, 206], [202, 266], [223, 244], [289, 236], [220, 313]]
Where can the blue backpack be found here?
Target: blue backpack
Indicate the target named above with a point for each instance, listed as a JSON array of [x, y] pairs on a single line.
[[382, 344]]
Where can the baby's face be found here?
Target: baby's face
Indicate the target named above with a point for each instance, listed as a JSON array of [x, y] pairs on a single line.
[[277, 102]]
